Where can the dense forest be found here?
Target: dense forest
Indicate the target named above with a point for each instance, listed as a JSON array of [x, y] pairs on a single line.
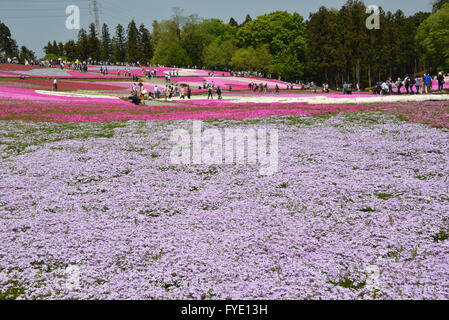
[[332, 45]]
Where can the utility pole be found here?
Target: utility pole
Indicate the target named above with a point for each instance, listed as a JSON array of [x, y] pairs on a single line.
[[97, 17]]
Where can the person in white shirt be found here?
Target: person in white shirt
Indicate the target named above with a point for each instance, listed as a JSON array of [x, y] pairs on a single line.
[[385, 88]]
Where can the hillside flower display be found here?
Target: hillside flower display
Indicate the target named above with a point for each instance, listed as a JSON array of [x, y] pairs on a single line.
[[93, 206]]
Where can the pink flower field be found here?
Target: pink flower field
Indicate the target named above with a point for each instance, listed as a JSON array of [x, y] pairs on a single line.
[[31, 105]]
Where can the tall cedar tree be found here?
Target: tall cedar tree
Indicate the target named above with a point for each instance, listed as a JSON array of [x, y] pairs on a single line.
[[106, 43], [119, 45], [132, 44]]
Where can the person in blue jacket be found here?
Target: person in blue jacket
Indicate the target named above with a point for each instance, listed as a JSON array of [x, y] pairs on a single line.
[[428, 83]]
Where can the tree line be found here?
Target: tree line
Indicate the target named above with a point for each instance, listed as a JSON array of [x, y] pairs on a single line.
[[341, 48], [333, 46]]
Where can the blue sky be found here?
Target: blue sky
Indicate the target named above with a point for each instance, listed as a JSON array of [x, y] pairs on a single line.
[[34, 22]]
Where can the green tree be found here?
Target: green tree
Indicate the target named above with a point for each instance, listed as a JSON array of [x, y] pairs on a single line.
[[244, 59], [93, 43], [119, 44], [433, 37], [250, 59], [70, 50], [285, 36], [145, 44], [233, 23], [196, 36], [82, 45], [106, 43], [133, 53], [171, 54], [193, 40], [49, 49], [353, 35], [164, 31], [8, 46], [322, 49], [219, 55], [287, 67], [247, 19], [26, 54]]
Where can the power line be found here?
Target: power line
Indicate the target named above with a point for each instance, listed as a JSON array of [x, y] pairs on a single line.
[[59, 1], [51, 9], [34, 17]]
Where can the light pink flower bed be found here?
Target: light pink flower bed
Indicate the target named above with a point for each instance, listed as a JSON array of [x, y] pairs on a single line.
[[32, 96], [28, 105]]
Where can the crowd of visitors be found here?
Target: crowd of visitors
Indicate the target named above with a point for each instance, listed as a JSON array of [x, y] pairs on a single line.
[[141, 94], [409, 85]]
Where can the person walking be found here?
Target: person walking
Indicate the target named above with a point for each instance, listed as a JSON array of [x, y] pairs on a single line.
[[142, 95], [55, 85], [412, 83], [390, 86], [209, 93], [440, 79], [399, 84], [428, 83], [418, 84], [407, 84], [219, 93], [189, 92], [384, 87]]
